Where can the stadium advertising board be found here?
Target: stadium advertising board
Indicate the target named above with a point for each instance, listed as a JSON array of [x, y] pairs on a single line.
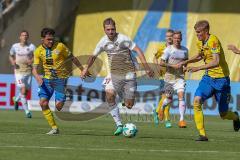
[[86, 95]]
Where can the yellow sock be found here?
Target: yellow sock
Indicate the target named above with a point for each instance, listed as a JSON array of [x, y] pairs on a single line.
[[230, 116], [160, 103], [49, 117], [199, 119], [166, 113]]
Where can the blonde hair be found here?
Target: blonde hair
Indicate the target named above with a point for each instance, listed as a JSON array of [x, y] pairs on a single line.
[[203, 24]]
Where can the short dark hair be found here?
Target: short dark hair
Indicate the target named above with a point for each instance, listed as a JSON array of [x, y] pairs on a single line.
[[24, 31], [108, 21], [203, 24], [47, 31], [170, 31], [177, 32]]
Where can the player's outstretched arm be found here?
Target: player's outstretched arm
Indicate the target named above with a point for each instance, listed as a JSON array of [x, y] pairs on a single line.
[[77, 63], [142, 58], [12, 60], [214, 63], [159, 68], [89, 64], [36, 75], [193, 59], [233, 48], [163, 63]]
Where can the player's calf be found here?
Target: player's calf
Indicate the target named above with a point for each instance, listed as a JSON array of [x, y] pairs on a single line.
[[129, 103], [59, 105]]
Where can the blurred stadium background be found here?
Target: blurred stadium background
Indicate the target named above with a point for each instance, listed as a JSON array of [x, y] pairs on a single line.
[[78, 23]]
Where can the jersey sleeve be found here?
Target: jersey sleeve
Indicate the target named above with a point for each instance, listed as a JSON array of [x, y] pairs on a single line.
[[66, 51], [160, 50], [99, 48], [36, 57], [33, 47], [199, 46], [12, 51], [165, 54], [214, 46], [129, 43]]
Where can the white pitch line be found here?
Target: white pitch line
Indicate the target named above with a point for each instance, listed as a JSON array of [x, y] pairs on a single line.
[[23, 133], [118, 149]]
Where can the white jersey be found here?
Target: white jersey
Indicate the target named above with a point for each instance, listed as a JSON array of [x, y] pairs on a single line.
[[174, 55], [119, 54], [23, 54]]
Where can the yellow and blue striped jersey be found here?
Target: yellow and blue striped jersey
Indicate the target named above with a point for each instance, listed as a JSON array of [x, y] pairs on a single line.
[[159, 54], [54, 61], [208, 48], [160, 50]]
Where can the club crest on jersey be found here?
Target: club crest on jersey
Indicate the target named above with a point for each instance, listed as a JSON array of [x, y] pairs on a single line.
[[109, 46], [125, 44], [56, 51]]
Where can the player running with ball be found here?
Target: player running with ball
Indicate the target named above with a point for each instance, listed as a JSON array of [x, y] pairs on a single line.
[[122, 78]]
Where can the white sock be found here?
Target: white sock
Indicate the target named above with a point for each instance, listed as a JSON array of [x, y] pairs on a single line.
[[24, 103], [166, 101], [182, 109], [116, 115]]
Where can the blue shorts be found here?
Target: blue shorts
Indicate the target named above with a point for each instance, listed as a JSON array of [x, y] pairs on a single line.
[[218, 87], [49, 86]]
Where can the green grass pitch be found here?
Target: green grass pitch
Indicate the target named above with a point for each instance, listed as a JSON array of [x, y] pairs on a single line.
[[25, 139]]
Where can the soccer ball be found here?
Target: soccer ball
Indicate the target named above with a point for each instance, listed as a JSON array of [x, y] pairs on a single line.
[[129, 130]]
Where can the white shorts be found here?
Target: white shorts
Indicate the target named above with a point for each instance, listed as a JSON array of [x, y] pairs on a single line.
[[107, 84], [177, 85], [124, 88], [23, 80]]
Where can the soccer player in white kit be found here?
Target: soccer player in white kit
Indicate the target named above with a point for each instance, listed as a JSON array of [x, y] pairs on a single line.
[[21, 57], [174, 76], [121, 82]]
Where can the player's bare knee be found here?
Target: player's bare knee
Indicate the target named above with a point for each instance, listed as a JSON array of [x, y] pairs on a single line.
[[23, 91], [59, 105], [169, 96], [110, 99], [129, 104], [110, 96], [197, 100], [44, 104]]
